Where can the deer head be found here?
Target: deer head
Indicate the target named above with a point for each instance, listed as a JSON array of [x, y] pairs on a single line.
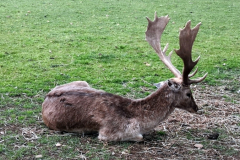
[[181, 83]]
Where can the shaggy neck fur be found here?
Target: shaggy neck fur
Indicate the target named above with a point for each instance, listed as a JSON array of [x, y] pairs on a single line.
[[153, 109]]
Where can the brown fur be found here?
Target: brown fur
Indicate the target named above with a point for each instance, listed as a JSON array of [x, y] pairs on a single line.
[[75, 107]]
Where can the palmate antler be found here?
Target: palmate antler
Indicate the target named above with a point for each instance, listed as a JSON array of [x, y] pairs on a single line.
[[186, 38]]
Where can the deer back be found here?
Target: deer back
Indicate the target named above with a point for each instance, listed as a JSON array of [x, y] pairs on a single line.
[[72, 106]]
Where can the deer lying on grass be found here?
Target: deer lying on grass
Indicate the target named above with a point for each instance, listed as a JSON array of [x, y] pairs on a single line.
[[76, 107]]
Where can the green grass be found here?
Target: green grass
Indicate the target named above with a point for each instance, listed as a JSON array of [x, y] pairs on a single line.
[[53, 42], [47, 43]]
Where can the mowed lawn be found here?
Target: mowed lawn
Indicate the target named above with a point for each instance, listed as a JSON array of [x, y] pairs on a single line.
[[51, 42]]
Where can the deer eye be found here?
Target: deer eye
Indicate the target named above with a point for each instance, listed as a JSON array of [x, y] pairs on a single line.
[[189, 95]]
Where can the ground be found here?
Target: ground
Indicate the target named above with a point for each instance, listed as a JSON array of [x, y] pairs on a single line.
[[213, 133]]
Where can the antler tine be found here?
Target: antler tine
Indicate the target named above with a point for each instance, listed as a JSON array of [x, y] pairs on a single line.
[[198, 80], [186, 40], [153, 36], [193, 74]]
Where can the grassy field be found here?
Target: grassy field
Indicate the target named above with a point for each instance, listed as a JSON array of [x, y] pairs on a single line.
[[51, 42]]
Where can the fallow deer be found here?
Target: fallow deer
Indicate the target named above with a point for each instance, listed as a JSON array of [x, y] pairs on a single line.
[[76, 107]]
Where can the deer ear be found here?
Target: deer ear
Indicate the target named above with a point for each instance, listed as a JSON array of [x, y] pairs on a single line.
[[174, 86], [158, 85]]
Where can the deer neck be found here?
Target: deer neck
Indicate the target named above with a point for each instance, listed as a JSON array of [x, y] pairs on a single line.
[[154, 108]]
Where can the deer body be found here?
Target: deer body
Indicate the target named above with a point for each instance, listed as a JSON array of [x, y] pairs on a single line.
[[76, 107]]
